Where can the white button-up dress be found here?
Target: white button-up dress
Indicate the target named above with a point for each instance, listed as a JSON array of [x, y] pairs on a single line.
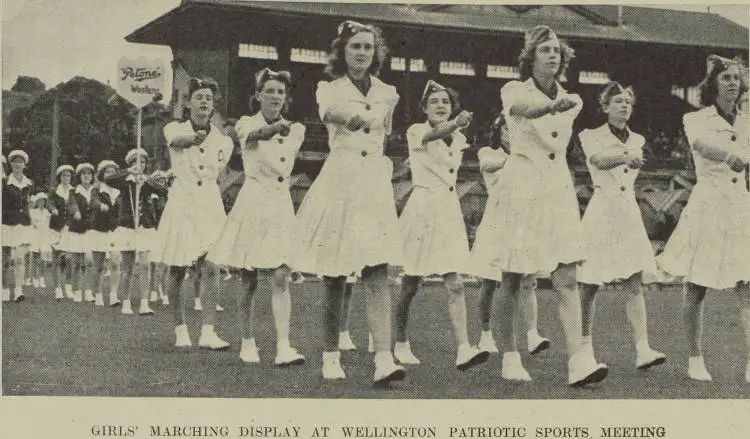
[[348, 220], [258, 230], [709, 246], [194, 214], [615, 241], [432, 225], [531, 222]]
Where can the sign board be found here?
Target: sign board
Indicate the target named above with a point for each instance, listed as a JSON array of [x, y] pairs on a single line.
[[139, 80]]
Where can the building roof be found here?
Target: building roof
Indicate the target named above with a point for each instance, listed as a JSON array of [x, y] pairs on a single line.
[[596, 23]]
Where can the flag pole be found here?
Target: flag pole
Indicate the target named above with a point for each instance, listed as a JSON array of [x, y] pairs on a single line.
[[137, 207]]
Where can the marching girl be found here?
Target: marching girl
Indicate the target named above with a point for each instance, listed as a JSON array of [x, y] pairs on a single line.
[[615, 242], [347, 222], [492, 159], [432, 225], [134, 188], [17, 232], [106, 213], [532, 223], [76, 242], [256, 235], [158, 270], [58, 224], [708, 247], [199, 151], [41, 247]]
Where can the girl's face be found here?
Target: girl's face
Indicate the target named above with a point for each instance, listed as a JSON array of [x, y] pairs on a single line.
[[620, 107], [139, 165], [109, 170], [728, 84], [86, 177], [438, 107], [547, 58], [17, 164], [272, 97], [41, 203], [202, 103], [360, 51], [65, 178]]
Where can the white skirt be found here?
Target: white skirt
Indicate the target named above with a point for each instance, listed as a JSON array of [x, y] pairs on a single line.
[[257, 232], [41, 241], [126, 239], [531, 222], [71, 242], [709, 246], [433, 233], [16, 236], [348, 219], [191, 224], [615, 242]]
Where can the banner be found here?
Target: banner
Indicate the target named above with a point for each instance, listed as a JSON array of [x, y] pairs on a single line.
[[139, 80]]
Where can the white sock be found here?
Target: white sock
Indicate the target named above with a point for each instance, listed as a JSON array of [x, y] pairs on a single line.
[[635, 308]]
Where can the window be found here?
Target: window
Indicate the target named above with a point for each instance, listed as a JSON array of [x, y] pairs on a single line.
[[505, 72], [257, 52], [398, 64], [596, 78], [691, 95], [456, 68], [310, 56], [415, 64]]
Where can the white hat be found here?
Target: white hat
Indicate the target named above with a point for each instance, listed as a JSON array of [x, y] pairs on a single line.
[[63, 168], [106, 164], [84, 166], [133, 153], [18, 153]]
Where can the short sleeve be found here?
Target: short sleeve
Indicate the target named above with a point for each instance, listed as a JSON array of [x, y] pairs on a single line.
[[244, 127], [325, 96], [297, 133], [393, 99], [414, 136], [171, 131], [690, 122], [638, 145], [489, 157], [590, 143], [459, 141], [511, 94]]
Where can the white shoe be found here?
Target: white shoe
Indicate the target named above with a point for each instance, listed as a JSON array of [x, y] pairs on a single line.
[[182, 336], [99, 300], [583, 369], [145, 309], [113, 300], [487, 342], [6, 294], [154, 296], [403, 353], [513, 370], [127, 308], [198, 305], [219, 308], [69, 291], [345, 342], [165, 300], [649, 358], [332, 366], [210, 340], [18, 295], [469, 356], [27, 282], [35, 282], [249, 351], [288, 356], [78, 296], [697, 369], [386, 370], [59, 293], [537, 343], [42, 283], [370, 345], [88, 296]]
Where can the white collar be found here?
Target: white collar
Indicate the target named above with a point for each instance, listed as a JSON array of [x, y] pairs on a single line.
[[25, 182], [83, 191], [62, 192], [109, 190]]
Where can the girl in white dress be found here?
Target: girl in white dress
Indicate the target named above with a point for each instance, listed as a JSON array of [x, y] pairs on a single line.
[[492, 159], [432, 226], [532, 224], [615, 241], [347, 222], [41, 247], [257, 233], [708, 249], [199, 151], [17, 232], [58, 224]]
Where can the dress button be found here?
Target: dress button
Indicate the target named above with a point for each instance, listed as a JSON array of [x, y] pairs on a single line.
[[734, 180], [202, 150], [281, 179], [364, 153], [734, 137], [552, 156], [622, 188], [366, 130], [450, 153], [450, 188], [626, 153], [554, 134], [451, 171], [367, 107], [625, 170], [280, 140], [283, 159], [200, 183], [200, 167]]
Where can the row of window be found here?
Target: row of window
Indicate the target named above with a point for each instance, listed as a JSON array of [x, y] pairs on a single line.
[[457, 68]]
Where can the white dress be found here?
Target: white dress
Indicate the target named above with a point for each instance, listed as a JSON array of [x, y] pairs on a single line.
[[348, 219], [194, 213], [615, 241], [257, 232], [42, 241], [531, 222], [709, 245], [432, 225]]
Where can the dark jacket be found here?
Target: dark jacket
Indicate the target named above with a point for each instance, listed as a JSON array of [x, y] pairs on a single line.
[[56, 202], [15, 207], [122, 181]]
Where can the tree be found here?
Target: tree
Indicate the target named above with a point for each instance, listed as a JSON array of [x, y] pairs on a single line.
[[28, 84]]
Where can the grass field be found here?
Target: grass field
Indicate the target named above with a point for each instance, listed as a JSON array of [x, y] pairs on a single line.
[[66, 348]]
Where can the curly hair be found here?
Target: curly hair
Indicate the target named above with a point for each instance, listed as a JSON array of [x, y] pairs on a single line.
[[337, 68], [612, 89], [258, 88], [526, 60], [708, 87], [452, 95]]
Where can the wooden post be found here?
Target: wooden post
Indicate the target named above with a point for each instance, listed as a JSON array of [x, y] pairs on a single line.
[[55, 140]]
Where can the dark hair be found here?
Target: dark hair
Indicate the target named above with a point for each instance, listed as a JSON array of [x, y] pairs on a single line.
[[259, 87], [452, 95], [708, 87], [337, 68], [526, 60], [612, 89], [195, 84]]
